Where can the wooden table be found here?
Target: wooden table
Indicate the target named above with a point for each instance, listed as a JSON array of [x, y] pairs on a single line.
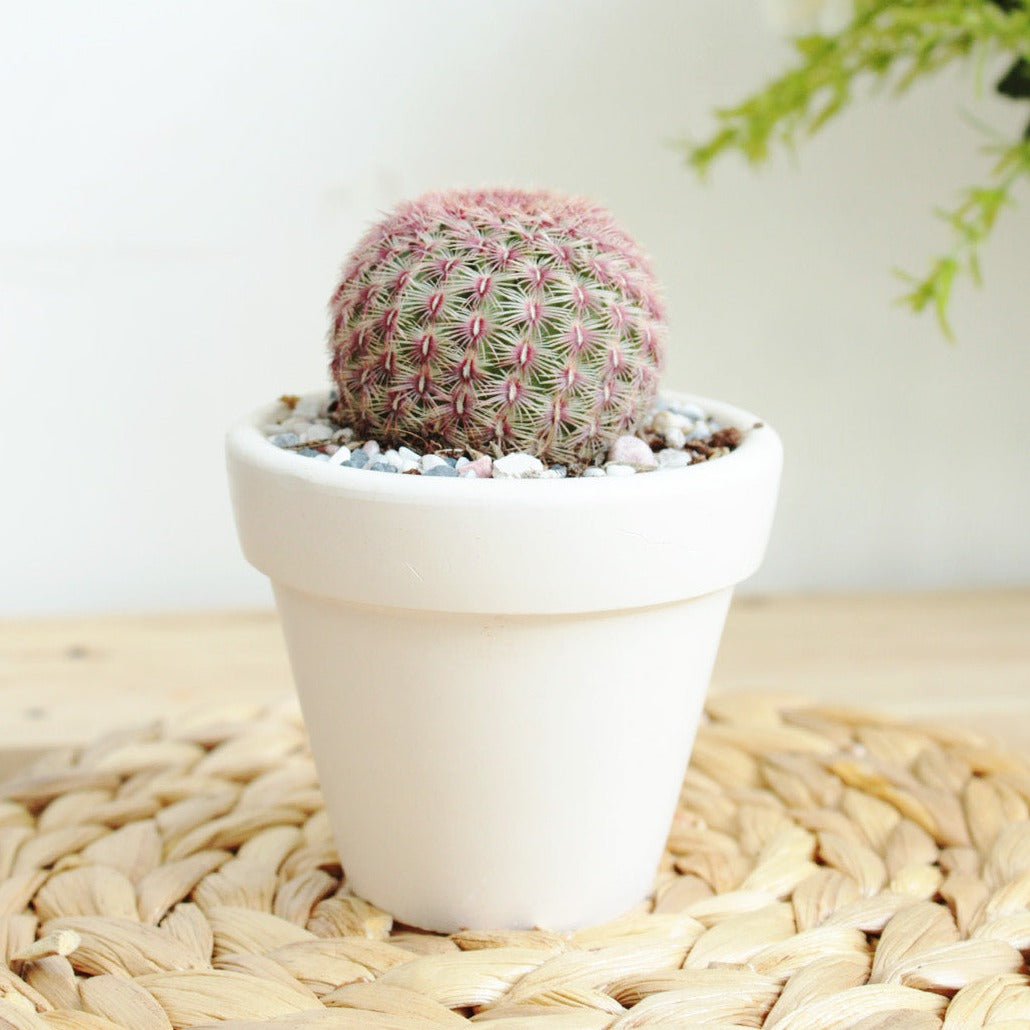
[[949, 657]]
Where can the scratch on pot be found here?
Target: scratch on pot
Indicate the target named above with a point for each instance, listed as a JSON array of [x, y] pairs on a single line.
[[414, 571]]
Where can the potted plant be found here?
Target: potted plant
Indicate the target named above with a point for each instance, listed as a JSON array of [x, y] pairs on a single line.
[[501, 675]]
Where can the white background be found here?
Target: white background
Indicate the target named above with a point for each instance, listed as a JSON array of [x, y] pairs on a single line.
[[179, 182]]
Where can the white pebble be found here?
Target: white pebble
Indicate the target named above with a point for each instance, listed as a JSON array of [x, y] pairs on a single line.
[[592, 472], [371, 448], [296, 425], [663, 421], [430, 461], [467, 473], [518, 466], [674, 437], [615, 469], [631, 450], [673, 459], [309, 406], [691, 411], [317, 433], [342, 455], [404, 458], [462, 463]]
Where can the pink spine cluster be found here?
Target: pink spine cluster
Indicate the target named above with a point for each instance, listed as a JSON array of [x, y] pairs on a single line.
[[497, 321]]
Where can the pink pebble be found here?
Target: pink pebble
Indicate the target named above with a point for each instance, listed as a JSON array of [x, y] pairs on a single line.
[[482, 466], [631, 450]]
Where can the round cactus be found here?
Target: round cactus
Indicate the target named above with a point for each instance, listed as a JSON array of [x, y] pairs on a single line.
[[498, 321]]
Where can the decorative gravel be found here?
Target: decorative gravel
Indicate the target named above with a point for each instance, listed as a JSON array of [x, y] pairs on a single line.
[[674, 435]]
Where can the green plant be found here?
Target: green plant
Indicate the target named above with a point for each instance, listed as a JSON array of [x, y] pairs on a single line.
[[896, 43], [498, 321]]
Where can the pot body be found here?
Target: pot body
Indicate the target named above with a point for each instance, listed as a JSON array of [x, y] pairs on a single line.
[[501, 770], [502, 680]]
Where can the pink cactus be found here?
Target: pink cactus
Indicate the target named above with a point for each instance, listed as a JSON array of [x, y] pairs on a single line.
[[497, 321]]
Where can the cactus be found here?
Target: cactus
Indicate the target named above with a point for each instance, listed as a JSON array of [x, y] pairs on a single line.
[[497, 321]]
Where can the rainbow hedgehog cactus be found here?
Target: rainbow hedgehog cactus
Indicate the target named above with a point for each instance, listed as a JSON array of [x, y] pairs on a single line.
[[497, 321]]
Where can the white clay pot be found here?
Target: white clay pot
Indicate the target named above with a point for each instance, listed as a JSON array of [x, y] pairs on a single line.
[[502, 679]]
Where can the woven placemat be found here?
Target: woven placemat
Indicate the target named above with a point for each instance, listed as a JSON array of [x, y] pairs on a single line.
[[827, 869]]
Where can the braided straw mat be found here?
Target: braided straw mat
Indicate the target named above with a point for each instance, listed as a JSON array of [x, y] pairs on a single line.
[[826, 869]]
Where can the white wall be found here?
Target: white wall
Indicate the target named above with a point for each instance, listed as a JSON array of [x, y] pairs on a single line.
[[179, 182]]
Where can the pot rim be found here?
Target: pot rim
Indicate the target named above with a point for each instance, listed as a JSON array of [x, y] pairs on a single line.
[[760, 445], [505, 546]]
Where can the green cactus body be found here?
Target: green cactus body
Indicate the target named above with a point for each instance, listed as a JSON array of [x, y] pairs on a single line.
[[497, 321]]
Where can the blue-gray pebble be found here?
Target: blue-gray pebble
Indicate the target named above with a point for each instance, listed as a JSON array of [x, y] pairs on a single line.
[[441, 470], [285, 439], [688, 410], [358, 460], [308, 452], [382, 466]]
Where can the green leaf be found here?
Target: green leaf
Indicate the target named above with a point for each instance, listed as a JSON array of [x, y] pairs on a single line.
[[894, 43]]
